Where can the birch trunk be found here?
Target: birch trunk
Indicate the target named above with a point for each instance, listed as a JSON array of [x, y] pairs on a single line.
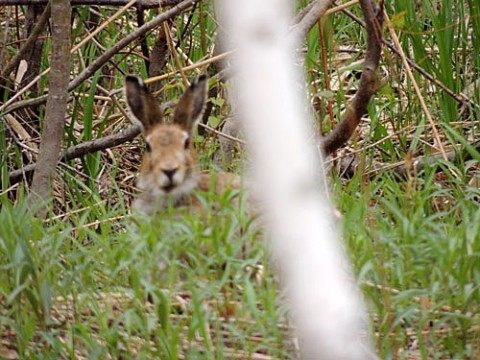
[[326, 304]]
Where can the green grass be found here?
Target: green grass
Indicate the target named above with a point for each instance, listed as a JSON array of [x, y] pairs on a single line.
[[98, 282], [425, 259], [153, 288]]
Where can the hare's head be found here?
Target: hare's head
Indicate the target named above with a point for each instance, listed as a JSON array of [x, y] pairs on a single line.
[[169, 165]]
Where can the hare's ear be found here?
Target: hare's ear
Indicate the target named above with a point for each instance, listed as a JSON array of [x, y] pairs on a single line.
[[191, 105], [143, 105]]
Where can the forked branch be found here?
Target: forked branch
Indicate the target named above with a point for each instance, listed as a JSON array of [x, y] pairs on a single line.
[[368, 82]]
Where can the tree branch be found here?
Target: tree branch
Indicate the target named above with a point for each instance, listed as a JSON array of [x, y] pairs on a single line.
[[37, 30], [84, 148], [5, 35], [147, 4], [100, 61], [301, 14], [368, 82], [460, 98], [417, 165], [106, 56], [403, 169], [309, 17]]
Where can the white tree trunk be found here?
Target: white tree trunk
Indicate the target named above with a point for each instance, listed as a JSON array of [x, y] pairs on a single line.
[[289, 174]]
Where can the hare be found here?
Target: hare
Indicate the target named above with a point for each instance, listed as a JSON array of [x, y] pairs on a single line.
[[169, 170]]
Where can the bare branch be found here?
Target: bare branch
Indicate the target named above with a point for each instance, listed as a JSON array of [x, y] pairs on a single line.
[[105, 57], [100, 61], [368, 82], [403, 169], [37, 30], [147, 4], [301, 14], [33, 55], [6, 31], [454, 156], [84, 148], [309, 18], [460, 98], [223, 134]]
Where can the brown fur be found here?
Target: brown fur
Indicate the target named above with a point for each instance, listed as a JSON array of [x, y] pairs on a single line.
[[169, 168]]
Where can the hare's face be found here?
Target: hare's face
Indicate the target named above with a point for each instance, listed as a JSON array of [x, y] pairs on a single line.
[[169, 166]]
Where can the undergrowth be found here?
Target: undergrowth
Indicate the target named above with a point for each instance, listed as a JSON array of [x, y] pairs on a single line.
[[96, 281]]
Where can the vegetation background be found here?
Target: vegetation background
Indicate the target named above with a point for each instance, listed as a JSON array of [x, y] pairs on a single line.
[[94, 281]]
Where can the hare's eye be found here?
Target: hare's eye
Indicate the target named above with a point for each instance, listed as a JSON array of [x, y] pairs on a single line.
[[187, 143], [148, 147]]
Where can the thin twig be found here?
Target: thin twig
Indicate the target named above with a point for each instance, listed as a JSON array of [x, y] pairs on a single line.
[[85, 148], [146, 4], [104, 25], [5, 38], [73, 50], [341, 7], [325, 71], [106, 56], [297, 18], [5, 108], [415, 85], [403, 169], [222, 134], [37, 30], [173, 50], [191, 67], [460, 98], [316, 11]]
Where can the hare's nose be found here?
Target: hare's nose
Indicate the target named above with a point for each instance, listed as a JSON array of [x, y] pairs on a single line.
[[169, 173]]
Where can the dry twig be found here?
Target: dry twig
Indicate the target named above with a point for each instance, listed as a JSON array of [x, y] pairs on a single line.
[[37, 30], [416, 87], [311, 16], [460, 98], [106, 56], [147, 4], [84, 148]]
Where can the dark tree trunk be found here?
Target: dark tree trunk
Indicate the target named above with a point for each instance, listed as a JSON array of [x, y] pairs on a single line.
[[159, 56], [33, 56], [56, 103]]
